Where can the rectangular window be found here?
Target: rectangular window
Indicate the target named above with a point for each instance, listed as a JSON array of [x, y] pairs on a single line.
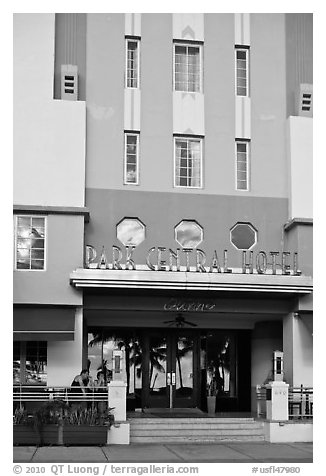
[[131, 169], [132, 63], [242, 165], [187, 67], [242, 71], [30, 243], [188, 162], [30, 363]]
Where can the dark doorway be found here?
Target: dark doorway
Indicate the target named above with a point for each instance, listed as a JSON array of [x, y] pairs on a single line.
[[170, 372]]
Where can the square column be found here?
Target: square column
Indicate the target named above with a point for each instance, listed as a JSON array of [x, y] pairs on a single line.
[[277, 401], [298, 351]]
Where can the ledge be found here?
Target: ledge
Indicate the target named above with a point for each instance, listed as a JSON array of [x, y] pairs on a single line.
[[52, 210], [297, 221], [139, 279]]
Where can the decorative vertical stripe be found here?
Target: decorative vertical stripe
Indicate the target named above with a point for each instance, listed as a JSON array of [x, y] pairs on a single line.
[[133, 24], [242, 103], [188, 26], [70, 40], [132, 96], [242, 117], [242, 28]]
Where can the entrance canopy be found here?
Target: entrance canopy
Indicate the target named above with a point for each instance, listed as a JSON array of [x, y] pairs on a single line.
[[43, 324]]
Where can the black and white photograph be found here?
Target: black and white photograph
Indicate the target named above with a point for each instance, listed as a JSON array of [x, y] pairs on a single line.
[[162, 241]]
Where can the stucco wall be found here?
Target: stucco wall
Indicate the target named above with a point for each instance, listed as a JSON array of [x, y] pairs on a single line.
[[49, 136], [268, 108], [160, 212], [105, 99], [65, 358], [64, 252], [300, 169], [299, 55], [105, 104]]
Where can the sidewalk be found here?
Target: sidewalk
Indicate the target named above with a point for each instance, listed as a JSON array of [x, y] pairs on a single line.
[[169, 453]]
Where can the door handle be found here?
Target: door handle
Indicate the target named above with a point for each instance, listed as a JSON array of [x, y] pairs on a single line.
[[168, 378]]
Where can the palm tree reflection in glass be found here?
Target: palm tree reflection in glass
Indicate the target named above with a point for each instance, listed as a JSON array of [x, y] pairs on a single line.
[[157, 362]]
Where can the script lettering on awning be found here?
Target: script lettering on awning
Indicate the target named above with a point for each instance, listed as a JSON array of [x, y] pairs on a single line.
[[188, 306]]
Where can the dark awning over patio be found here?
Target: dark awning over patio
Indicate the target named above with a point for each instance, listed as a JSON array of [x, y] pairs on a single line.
[[43, 323]]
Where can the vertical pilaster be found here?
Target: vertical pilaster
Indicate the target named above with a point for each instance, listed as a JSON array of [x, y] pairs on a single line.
[[188, 107], [242, 103], [132, 96]]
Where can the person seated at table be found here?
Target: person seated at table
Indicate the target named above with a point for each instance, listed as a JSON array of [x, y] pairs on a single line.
[[100, 387]]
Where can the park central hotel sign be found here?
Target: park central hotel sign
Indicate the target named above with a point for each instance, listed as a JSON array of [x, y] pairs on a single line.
[[160, 258]]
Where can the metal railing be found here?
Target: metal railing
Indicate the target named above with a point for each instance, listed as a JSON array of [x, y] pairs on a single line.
[[31, 397], [300, 402], [261, 401]]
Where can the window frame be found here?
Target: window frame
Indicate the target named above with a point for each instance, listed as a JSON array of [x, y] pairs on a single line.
[[137, 135], [245, 49], [137, 41], [199, 139], [247, 143], [16, 241], [189, 44]]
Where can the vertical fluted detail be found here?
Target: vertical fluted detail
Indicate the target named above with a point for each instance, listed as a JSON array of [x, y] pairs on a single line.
[[70, 39]]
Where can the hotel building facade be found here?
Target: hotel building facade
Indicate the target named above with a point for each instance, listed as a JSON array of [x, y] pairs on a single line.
[[163, 203]]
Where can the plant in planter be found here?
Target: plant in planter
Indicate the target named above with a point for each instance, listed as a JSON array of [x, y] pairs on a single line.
[[24, 432], [211, 397], [87, 426], [49, 421], [55, 423], [211, 388]]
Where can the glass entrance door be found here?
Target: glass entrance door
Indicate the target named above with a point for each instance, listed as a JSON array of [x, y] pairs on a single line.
[[170, 379]]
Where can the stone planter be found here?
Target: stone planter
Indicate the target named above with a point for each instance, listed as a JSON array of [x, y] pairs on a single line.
[[25, 435], [85, 435], [50, 435]]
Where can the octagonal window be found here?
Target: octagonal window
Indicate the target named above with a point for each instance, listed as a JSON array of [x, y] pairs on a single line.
[[243, 236], [131, 231], [189, 234]]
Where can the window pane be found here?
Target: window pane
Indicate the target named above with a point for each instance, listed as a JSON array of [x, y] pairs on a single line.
[[37, 264], [132, 64], [180, 50], [241, 91], [131, 158], [242, 185], [187, 68], [188, 161], [241, 54], [37, 254], [242, 72], [241, 147], [22, 264], [30, 240], [38, 223], [36, 363], [242, 166], [23, 221]]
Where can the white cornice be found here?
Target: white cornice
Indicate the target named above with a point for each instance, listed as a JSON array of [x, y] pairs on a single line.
[[136, 279]]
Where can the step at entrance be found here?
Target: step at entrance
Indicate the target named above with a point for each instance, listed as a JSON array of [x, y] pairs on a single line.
[[190, 430]]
